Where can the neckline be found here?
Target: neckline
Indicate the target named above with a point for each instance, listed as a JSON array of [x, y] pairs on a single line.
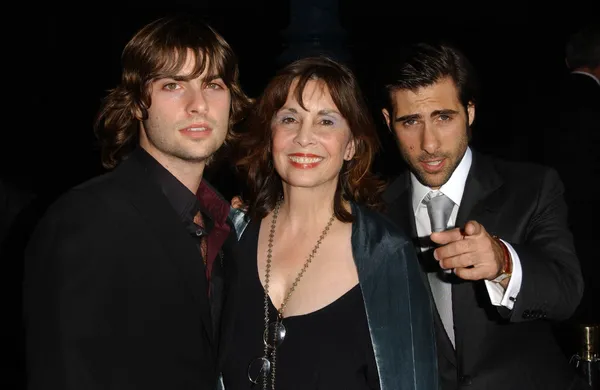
[[306, 316], [260, 286]]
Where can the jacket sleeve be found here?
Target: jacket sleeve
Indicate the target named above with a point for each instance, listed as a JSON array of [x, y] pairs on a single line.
[[552, 283], [67, 293]]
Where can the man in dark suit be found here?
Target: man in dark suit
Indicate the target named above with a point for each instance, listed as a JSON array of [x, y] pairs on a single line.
[[124, 275], [503, 265], [572, 141], [18, 206]]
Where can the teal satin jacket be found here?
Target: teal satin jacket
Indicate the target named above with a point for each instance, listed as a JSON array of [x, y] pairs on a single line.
[[397, 303]]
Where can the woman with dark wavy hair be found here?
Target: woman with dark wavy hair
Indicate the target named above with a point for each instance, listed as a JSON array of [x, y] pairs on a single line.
[[328, 293]]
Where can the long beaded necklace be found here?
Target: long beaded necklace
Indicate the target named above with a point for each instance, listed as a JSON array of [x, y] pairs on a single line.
[[277, 326]]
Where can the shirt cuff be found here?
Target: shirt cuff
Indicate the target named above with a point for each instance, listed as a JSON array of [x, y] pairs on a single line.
[[507, 298]]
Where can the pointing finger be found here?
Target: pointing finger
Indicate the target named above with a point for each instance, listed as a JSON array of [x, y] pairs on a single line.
[[446, 236]]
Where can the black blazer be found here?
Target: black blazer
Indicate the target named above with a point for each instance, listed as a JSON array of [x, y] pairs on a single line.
[[115, 295], [497, 348], [572, 140]]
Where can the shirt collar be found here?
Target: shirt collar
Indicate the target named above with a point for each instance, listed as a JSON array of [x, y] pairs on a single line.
[[214, 208], [453, 188], [182, 200], [212, 203]]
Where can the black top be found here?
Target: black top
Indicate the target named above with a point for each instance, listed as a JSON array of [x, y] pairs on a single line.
[[327, 349]]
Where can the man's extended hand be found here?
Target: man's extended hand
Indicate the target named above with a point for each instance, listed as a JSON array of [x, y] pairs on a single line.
[[471, 252]]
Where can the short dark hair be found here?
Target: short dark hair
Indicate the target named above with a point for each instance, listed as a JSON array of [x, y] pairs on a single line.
[[356, 181], [159, 50], [583, 48], [424, 64]]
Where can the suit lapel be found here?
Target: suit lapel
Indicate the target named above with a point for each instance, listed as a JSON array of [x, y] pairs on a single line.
[[482, 181], [164, 226], [233, 283], [225, 298], [477, 204]]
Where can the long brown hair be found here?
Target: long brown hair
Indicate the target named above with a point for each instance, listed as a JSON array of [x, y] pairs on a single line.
[[254, 141], [158, 50]]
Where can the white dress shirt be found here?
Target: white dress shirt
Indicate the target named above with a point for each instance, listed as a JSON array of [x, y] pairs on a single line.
[[454, 189]]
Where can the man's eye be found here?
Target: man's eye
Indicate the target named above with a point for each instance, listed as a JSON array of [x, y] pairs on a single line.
[[445, 117], [214, 86], [410, 122], [171, 86]]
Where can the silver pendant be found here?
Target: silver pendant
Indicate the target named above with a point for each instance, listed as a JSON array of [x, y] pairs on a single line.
[[274, 334]]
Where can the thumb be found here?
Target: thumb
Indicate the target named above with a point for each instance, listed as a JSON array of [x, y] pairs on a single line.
[[472, 228]]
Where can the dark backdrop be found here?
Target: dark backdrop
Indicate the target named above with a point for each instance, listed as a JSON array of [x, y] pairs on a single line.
[[59, 62]]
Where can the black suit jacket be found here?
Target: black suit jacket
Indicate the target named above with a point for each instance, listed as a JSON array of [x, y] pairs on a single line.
[[115, 293], [573, 138], [19, 210], [497, 348]]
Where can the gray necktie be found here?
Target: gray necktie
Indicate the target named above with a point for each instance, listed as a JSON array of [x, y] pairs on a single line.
[[439, 208]]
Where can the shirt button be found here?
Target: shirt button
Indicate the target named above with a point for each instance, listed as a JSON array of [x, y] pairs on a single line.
[[465, 380]]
